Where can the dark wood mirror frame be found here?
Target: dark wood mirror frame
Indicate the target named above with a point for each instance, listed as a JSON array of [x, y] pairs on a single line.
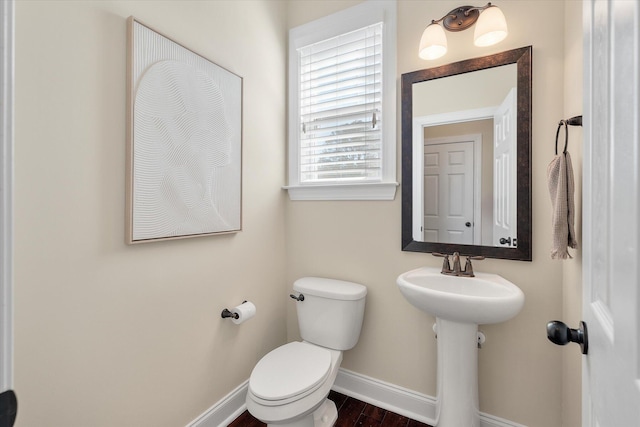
[[522, 58]]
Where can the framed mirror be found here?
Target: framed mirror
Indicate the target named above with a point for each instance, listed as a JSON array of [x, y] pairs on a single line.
[[466, 157]]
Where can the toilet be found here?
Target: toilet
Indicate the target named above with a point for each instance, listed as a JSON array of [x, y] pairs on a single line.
[[289, 386]]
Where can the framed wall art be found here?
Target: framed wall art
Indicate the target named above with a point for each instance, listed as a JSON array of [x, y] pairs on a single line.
[[184, 141]]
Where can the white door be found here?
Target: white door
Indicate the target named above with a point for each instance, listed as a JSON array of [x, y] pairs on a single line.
[[611, 225], [504, 172], [448, 193], [6, 192]]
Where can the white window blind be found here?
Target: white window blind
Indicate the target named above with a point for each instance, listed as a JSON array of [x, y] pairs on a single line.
[[340, 105]]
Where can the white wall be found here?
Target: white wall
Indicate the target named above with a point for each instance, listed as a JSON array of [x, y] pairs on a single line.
[[113, 335], [520, 371]]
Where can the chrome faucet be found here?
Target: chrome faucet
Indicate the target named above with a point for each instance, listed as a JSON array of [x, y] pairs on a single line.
[[457, 270]]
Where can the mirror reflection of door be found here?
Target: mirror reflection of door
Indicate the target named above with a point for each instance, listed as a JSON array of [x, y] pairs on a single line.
[[483, 102], [450, 189], [504, 173]]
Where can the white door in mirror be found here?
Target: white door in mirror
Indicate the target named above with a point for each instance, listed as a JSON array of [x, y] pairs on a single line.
[[448, 193], [505, 172]]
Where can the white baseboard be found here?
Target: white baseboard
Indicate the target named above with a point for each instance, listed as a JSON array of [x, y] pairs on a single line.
[[405, 402], [224, 411], [408, 403]]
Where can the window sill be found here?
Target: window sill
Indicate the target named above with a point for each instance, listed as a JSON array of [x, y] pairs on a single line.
[[363, 191]]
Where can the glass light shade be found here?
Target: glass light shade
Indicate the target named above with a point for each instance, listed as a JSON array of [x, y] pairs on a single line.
[[433, 43], [491, 27]]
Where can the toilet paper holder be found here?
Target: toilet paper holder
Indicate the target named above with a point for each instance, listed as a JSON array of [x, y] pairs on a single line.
[[228, 313]]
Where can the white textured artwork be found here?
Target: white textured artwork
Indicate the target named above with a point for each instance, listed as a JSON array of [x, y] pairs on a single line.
[[185, 148]]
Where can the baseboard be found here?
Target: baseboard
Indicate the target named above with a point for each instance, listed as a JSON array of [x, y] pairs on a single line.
[[408, 403], [387, 396], [224, 411]]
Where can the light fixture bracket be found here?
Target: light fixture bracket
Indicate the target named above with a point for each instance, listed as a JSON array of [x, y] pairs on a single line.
[[461, 18]]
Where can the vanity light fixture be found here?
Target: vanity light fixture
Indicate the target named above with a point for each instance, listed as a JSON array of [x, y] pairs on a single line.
[[491, 28]]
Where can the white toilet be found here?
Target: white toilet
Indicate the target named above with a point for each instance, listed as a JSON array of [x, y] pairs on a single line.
[[289, 386]]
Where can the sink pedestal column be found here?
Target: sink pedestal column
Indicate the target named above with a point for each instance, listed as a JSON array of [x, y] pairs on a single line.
[[457, 392]]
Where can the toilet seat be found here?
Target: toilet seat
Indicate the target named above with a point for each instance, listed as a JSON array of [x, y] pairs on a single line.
[[289, 373]]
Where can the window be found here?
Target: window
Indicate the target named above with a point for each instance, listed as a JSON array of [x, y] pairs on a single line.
[[342, 132]]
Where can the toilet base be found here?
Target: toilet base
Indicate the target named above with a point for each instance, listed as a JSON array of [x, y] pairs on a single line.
[[325, 416]]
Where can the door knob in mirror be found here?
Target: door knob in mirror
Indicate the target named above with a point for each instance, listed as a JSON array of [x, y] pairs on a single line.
[[560, 334]]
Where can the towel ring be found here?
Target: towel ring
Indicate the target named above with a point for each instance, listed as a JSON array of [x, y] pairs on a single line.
[[566, 136], [573, 121]]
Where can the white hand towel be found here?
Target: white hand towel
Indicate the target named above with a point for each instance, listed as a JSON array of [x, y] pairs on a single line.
[[561, 190]]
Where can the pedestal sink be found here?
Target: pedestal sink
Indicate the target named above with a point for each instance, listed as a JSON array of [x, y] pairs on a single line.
[[459, 305]]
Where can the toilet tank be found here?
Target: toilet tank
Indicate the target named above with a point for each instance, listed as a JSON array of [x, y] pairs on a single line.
[[331, 313]]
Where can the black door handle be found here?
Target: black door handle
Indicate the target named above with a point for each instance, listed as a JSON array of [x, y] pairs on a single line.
[[560, 334], [506, 241], [8, 408], [468, 224]]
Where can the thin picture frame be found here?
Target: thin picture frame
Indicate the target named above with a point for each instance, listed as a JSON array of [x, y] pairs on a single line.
[[184, 141]]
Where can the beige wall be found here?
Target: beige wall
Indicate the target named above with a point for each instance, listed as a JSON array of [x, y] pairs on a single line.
[[520, 371], [572, 268], [108, 334], [113, 335], [480, 89]]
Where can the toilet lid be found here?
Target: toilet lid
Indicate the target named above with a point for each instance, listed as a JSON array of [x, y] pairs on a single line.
[[293, 369]]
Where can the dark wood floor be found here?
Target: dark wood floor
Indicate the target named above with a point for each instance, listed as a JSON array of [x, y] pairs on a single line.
[[351, 413]]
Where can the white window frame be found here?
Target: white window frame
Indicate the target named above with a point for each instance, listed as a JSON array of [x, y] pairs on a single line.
[[359, 16]]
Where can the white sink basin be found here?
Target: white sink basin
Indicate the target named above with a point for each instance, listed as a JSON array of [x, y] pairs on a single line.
[[486, 298]]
